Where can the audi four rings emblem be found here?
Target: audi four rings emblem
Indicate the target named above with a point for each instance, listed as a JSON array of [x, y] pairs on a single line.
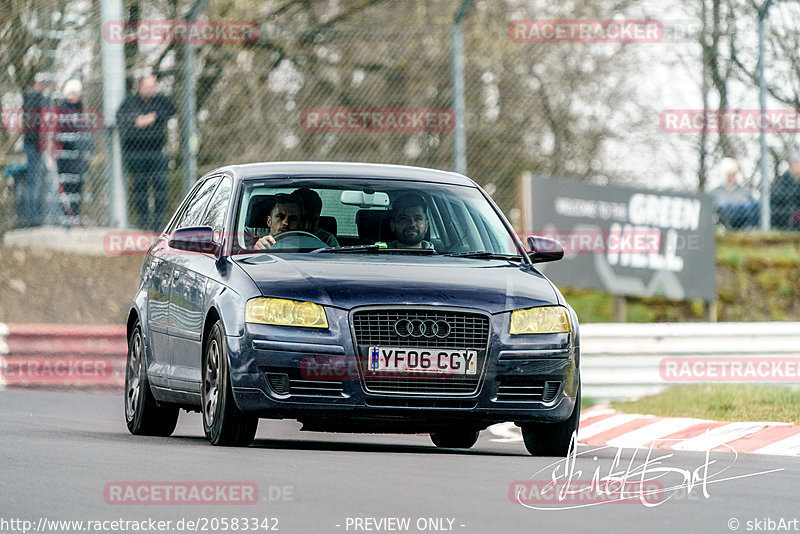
[[422, 328]]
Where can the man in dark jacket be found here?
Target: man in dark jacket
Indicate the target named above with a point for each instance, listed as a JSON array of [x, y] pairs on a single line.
[[785, 197], [33, 104], [142, 120]]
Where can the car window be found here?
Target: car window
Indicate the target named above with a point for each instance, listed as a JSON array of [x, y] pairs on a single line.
[[460, 218], [182, 208], [196, 206], [218, 207]]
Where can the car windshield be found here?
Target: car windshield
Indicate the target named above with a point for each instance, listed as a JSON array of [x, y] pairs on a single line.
[[340, 215]]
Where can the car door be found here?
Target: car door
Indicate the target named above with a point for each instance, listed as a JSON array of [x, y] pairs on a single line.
[[187, 298], [159, 282]]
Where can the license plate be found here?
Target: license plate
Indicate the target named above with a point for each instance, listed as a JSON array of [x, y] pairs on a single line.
[[416, 360]]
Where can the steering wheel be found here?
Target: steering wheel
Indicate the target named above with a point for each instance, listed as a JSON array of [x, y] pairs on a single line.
[[293, 233], [300, 237]]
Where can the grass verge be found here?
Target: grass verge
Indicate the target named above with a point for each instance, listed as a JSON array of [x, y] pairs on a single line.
[[721, 402]]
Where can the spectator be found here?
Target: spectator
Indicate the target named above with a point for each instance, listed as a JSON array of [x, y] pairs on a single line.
[[34, 145], [785, 197], [142, 120], [73, 144], [735, 204]]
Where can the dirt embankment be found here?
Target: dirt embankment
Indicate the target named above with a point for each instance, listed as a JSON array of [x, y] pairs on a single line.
[[56, 287]]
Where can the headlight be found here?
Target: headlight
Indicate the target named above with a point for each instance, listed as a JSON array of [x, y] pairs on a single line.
[[285, 312], [544, 320]]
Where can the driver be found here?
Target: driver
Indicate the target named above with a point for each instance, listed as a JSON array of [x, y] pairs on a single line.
[[409, 222], [284, 217]]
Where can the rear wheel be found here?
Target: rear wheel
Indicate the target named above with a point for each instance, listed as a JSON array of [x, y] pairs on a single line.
[[223, 422], [455, 438], [552, 439], [143, 415]]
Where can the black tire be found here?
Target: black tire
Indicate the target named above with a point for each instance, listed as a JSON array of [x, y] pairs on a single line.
[[143, 415], [455, 438], [552, 439], [223, 423]]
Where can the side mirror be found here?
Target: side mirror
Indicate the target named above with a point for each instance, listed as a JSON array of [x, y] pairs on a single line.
[[194, 239], [544, 249]]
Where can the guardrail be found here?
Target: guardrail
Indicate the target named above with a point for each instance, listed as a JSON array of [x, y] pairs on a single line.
[[622, 360], [62, 355], [625, 360]]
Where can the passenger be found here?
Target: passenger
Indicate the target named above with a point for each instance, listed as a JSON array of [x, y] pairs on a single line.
[[284, 217], [409, 222], [312, 207]]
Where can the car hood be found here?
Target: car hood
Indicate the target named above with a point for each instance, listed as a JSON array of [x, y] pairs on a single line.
[[347, 281]]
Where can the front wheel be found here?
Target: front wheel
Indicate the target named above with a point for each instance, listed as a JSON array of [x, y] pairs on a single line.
[[143, 415], [223, 423], [552, 439], [455, 438]]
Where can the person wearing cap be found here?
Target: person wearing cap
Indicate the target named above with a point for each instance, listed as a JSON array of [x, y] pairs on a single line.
[[34, 144], [142, 121], [735, 204], [73, 144], [785, 197]]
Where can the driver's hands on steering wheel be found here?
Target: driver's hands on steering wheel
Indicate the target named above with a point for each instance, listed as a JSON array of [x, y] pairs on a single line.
[[265, 242], [268, 240]]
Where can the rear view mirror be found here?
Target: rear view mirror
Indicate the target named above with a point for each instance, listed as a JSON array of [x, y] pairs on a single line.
[[194, 239], [365, 200], [543, 249]]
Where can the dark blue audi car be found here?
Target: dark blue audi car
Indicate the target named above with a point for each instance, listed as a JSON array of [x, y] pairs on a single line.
[[353, 298]]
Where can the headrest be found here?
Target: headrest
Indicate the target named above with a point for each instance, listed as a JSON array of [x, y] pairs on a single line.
[[328, 223], [373, 225], [258, 210]]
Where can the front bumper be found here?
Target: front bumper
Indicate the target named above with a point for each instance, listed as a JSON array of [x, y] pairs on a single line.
[[315, 376]]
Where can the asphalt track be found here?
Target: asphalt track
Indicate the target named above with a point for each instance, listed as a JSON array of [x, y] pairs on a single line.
[[60, 450]]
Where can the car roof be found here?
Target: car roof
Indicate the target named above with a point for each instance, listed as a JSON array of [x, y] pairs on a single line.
[[338, 168]]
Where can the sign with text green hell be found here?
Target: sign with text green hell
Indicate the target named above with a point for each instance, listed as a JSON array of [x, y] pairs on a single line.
[[626, 241]]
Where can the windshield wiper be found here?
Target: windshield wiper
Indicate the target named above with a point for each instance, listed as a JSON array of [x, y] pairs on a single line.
[[354, 248], [480, 254], [375, 248]]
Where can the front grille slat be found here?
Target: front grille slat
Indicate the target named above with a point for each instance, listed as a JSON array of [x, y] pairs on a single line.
[[468, 331], [523, 389]]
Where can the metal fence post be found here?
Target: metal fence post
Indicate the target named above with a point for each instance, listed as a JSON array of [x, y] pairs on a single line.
[[113, 65]]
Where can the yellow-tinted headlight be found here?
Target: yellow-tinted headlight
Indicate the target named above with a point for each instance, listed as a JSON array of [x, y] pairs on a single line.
[[283, 312], [544, 320]]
